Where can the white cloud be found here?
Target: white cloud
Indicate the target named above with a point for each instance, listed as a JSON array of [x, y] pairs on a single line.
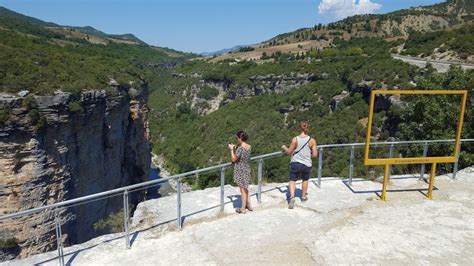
[[344, 8]]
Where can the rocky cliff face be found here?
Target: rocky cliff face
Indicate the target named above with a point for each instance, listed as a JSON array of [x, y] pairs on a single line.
[[229, 91], [271, 84], [59, 147]]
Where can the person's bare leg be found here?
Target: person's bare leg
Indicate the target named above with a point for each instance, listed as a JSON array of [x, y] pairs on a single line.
[[292, 186], [249, 203], [304, 189], [243, 199]]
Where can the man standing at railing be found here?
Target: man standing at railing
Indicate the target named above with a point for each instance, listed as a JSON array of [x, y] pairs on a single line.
[[301, 149]]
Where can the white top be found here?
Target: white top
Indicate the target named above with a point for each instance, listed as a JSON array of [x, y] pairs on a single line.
[[304, 155]]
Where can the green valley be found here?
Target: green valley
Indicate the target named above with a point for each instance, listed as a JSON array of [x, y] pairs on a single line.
[[198, 103]]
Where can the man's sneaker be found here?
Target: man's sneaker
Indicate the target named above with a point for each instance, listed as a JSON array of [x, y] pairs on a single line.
[[304, 198], [291, 204]]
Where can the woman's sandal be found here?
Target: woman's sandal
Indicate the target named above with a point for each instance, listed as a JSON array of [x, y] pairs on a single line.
[[249, 208], [239, 210]]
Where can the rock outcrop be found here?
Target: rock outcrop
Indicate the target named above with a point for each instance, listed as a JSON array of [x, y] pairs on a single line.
[[271, 84], [63, 146], [228, 90]]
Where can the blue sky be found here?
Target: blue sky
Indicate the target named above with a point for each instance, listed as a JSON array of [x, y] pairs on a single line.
[[201, 25]]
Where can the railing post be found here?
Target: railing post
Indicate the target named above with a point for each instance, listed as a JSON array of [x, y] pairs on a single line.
[[125, 219], [456, 164], [196, 177], [386, 176], [351, 167], [320, 166], [431, 184], [259, 193], [390, 154], [59, 240], [222, 188], [178, 204], [425, 153]]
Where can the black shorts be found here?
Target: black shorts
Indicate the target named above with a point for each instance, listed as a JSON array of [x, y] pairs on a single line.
[[298, 170]]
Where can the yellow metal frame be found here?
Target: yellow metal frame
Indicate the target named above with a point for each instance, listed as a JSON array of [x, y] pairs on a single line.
[[414, 160]]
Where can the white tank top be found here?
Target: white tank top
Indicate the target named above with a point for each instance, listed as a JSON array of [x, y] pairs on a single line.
[[304, 155]]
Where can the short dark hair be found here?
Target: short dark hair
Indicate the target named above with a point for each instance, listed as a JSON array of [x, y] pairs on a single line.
[[242, 135]]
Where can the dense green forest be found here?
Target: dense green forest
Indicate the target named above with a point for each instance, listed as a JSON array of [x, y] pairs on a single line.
[[189, 140], [37, 58], [460, 41]]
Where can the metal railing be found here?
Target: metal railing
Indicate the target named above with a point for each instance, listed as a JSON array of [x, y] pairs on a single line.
[[127, 189]]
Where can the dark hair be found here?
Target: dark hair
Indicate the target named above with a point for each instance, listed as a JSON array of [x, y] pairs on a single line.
[[242, 135]]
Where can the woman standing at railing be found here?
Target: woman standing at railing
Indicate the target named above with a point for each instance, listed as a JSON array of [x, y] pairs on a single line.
[[241, 159]]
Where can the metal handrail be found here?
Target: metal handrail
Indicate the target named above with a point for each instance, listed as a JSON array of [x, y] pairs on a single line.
[[199, 171], [260, 158]]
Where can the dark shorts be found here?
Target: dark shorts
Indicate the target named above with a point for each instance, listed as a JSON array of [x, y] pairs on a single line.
[[298, 170]]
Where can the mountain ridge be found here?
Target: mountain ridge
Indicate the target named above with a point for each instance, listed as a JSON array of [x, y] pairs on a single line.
[[399, 24], [43, 57], [225, 50], [16, 17]]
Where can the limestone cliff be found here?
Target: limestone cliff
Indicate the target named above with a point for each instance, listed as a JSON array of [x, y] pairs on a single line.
[[228, 91], [271, 84], [63, 146]]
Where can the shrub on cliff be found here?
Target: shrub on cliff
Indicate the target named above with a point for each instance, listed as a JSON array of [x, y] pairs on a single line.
[[37, 119], [29, 102], [8, 243], [4, 115], [207, 93], [111, 224], [75, 106]]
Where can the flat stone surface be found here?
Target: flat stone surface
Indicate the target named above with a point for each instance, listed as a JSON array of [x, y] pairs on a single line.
[[339, 224]]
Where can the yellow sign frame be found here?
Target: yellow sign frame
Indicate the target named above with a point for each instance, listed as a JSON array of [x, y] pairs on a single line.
[[414, 160]]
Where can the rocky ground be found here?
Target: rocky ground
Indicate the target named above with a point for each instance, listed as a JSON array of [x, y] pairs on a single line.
[[339, 224]]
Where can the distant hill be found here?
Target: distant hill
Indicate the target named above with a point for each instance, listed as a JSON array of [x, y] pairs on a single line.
[[26, 24], [43, 57], [224, 51], [92, 31], [446, 16], [7, 14]]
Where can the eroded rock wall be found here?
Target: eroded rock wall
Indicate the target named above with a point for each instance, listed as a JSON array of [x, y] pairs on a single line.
[[271, 84], [90, 142]]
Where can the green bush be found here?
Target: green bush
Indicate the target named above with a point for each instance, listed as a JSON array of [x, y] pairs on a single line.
[[111, 224], [37, 119], [4, 115], [7, 243], [75, 106], [246, 49], [208, 93], [29, 102]]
